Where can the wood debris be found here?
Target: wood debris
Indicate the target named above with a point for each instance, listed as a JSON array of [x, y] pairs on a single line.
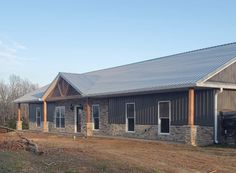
[[22, 143]]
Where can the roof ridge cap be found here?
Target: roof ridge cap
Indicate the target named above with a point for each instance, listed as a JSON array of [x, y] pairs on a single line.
[[70, 73]]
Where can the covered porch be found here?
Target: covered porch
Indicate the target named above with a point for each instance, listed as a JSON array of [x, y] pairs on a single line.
[[45, 109]]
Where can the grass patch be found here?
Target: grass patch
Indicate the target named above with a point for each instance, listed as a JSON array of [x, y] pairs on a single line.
[[72, 171], [157, 171], [101, 166], [10, 162], [221, 146]]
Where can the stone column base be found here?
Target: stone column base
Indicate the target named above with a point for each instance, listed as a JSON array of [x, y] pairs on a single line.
[[19, 125], [190, 134], [198, 135], [89, 130], [193, 133], [45, 128]]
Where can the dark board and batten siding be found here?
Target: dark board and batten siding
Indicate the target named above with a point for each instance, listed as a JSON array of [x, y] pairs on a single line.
[[204, 107], [146, 107], [50, 111], [32, 111]]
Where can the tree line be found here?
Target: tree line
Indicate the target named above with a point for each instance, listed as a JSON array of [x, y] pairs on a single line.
[[14, 88]]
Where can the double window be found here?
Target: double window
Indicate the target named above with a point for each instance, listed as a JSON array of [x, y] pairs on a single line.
[[38, 117], [60, 117], [130, 117], [95, 112], [164, 117]]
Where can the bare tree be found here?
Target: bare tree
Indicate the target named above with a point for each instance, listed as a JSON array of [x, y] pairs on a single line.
[[3, 100], [15, 88]]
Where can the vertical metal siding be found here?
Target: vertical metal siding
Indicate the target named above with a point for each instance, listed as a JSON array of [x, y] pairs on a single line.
[[147, 108], [32, 111], [179, 109], [50, 111], [204, 107]]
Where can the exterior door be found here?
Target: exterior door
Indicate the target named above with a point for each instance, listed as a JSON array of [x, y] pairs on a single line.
[[78, 119]]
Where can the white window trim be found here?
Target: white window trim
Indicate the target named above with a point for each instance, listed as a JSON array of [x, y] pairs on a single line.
[[55, 117], [126, 118], [38, 108], [75, 117], [98, 116], [159, 119], [60, 117]]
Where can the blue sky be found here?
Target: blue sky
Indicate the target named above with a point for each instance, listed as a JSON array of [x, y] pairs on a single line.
[[40, 38]]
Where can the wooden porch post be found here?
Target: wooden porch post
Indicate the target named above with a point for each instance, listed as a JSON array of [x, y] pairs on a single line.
[[192, 129], [88, 112], [191, 107], [45, 124], [88, 119], [19, 122]]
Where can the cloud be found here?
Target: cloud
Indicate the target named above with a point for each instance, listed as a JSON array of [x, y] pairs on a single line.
[[10, 52], [19, 46]]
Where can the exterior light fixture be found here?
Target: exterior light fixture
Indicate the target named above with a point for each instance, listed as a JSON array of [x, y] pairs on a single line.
[[71, 107]]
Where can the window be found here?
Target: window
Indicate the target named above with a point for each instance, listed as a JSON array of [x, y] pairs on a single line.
[[57, 117], [95, 117], [164, 117], [60, 117], [38, 117], [130, 116]]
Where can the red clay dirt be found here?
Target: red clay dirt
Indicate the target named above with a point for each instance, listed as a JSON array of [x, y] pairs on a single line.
[[96, 154]]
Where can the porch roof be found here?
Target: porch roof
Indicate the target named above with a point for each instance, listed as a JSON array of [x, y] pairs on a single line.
[[35, 96]]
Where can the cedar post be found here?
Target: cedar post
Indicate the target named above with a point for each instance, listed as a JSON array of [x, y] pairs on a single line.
[[88, 112], [192, 128], [191, 107], [19, 122], [45, 124], [88, 118]]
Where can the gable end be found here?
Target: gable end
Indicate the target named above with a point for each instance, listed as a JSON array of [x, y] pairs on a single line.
[[228, 75], [62, 89]]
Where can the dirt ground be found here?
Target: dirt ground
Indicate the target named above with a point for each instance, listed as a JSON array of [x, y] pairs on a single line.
[[69, 155]]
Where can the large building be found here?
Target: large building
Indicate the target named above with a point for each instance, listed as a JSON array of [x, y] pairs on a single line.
[[175, 98]]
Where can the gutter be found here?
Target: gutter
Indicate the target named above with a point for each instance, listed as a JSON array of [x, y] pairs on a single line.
[[216, 116]]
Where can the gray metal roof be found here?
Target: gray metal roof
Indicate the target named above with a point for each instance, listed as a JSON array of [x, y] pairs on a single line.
[[34, 96], [175, 71]]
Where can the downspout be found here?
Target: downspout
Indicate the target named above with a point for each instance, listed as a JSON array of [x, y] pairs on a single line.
[[216, 116]]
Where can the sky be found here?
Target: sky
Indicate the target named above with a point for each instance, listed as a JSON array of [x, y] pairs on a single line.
[[40, 38]]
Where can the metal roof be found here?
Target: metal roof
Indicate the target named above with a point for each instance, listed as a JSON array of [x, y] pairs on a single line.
[[175, 71], [34, 96]]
